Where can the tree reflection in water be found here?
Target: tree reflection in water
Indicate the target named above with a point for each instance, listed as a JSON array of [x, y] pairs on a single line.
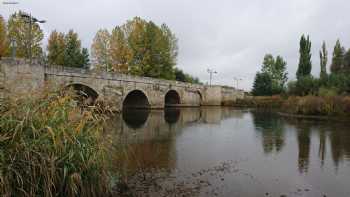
[[271, 128]]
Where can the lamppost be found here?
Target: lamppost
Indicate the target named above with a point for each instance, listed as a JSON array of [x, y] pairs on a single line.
[[237, 80], [30, 20], [13, 47], [211, 72]]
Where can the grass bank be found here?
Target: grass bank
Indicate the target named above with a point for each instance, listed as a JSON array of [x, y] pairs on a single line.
[[260, 102], [335, 106], [51, 147]]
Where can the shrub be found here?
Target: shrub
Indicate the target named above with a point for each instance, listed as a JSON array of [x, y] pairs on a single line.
[[315, 105], [51, 147], [327, 92]]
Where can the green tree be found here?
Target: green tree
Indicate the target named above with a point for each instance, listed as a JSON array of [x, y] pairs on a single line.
[[262, 85], [56, 48], [26, 38], [72, 52], [323, 61], [144, 48], [3, 37], [101, 48], [183, 77], [276, 68], [305, 65], [85, 61], [338, 58], [347, 61]]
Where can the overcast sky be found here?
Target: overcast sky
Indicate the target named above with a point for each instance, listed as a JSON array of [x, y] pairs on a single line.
[[230, 36]]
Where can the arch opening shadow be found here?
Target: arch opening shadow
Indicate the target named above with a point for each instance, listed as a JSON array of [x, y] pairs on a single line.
[[172, 99], [135, 118], [136, 99], [85, 95], [172, 115]]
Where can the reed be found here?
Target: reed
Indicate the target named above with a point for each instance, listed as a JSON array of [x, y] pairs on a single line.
[[318, 105], [51, 147]]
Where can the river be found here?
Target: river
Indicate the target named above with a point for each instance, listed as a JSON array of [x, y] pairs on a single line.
[[231, 152]]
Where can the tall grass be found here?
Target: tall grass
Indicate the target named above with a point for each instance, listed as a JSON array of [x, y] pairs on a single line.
[[318, 105], [51, 147]]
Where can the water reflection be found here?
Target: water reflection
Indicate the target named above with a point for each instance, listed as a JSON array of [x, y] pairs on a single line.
[[135, 118], [304, 143], [274, 147], [271, 129]]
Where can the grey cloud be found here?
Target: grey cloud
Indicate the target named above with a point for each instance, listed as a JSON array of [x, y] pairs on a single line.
[[231, 36]]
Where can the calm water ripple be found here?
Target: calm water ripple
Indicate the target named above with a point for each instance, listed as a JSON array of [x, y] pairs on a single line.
[[230, 152]]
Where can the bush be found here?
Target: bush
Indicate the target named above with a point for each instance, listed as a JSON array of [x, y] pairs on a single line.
[[51, 147], [316, 105], [327, 92], [340, 81]]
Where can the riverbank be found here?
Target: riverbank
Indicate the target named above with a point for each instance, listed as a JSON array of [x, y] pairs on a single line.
[[328, 107]]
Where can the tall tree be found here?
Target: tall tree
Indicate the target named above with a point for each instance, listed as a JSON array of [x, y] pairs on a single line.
[[26, 38], [347, 61], [120, 52], [56, 47], [262, 85], [85, 60], [276, 69], [3, 37], [323, 61], [101, 48], [305, 65], [72, 52], [338, 58], [144, 48]]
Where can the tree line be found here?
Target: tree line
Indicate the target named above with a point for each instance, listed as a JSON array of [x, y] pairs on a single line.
[[138, 47], [273, 76]]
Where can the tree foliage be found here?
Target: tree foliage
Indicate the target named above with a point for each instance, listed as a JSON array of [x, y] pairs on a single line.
[[56, 47], [262, 84], [338, 58], [323, 61], [100, 49], [276, 69], [183, 77], [26, 39], [120, 51], [3, 37], [305, 64], [65, 49], [139, 47]]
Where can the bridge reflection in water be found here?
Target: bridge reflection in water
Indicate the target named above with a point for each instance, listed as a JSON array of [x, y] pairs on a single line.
[[272, 147]]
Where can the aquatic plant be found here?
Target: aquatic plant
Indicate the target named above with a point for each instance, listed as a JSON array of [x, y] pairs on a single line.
[[51, 147]]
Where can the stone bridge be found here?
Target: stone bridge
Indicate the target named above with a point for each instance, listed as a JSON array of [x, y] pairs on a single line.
[[117, 90]]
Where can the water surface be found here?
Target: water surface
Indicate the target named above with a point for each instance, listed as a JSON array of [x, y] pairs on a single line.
[[234, 152]]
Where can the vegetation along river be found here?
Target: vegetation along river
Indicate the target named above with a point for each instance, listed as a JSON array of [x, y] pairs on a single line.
[[231, 152]]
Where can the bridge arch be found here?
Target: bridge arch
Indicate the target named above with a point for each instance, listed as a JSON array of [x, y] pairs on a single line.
[[85, 93], [136, 99], [172, 98]]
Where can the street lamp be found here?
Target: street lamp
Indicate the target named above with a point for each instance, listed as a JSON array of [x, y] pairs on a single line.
[[30, 20], [13, 47], [211, 72]]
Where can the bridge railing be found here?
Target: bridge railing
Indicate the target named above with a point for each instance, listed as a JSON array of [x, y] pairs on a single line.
[[55, 69]]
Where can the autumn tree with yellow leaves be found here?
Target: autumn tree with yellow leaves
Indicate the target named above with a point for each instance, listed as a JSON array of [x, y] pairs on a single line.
[[137, 47], [26, 39], [3, 38]]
